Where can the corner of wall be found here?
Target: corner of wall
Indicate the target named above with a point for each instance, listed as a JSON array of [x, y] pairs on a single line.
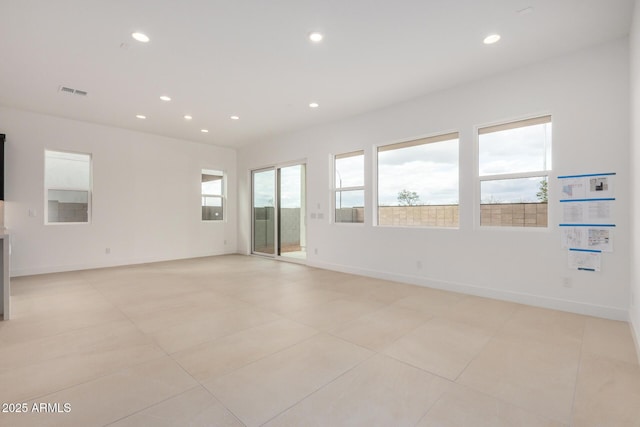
[[635, 330], [634, 54]]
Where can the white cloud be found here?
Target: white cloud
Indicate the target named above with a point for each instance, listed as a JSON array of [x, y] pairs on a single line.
[[523, 149], [431, 170]]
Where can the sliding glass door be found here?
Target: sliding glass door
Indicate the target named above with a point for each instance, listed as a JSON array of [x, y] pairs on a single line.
[[264, 220], [291, 212], [279, 212]]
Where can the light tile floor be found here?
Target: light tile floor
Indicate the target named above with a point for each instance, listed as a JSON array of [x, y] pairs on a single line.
[[235, 340]]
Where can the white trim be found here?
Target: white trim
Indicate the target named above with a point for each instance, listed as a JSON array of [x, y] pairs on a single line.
[[276, 168], [613, 313], [515, 175], [477, 197], [376, 174], [419, 227], [252, 173], [113, 263], [222, 196], [88, 190], [512, 119], [335, 189]]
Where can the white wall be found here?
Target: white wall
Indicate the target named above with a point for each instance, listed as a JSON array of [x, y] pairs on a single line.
[[146, 196], [634, 313], [588, 95]]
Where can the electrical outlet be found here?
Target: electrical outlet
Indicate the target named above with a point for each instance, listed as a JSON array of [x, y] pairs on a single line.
[[567, 282], [419, 265], [315, 251], [107, 251], [32, 212]]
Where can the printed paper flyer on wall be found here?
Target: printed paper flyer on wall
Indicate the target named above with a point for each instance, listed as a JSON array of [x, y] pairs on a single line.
[[594, 237], [585, 260], [587, 211], [587, 186]]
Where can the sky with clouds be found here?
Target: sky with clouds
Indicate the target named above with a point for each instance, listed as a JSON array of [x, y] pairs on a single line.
[[431, 170]]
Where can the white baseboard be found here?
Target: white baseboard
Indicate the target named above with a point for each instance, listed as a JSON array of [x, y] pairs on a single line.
[[113, 263], [577, 307], [612, 313]]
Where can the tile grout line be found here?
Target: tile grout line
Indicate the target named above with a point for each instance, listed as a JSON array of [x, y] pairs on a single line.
[[134, 324], [105, 375], [166, 354], [491, 337], [215, 377], [321, 387], [213, 396], [429, 408], [212, 377], [375, 353], [578, 368], [155, 404]]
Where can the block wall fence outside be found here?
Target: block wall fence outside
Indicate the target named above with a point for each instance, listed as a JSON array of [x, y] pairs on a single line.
[[264, 228], [212, 213], [67, 212], [514, 214], [350, 214], [494, 214], [429, 215]]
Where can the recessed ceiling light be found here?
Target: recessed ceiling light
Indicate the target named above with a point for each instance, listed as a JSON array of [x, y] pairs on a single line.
[[141, 116], [140, 37], [165, 98], [314, 105], [316, 37], [204, 130], [491, 39], [187, 117], [235, 118]]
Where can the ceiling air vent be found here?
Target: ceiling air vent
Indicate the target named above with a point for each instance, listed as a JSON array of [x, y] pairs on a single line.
[[72, 91]]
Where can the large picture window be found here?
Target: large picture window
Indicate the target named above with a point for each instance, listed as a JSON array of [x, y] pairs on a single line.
[[349, 187], [67, 178], [514, 164], [418, 182], [212, 183]]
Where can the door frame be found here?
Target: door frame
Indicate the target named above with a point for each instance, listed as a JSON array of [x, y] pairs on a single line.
[[253, 211], [276, 208]]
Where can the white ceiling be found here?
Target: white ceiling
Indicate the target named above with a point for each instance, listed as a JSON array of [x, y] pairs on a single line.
[[252, 58]]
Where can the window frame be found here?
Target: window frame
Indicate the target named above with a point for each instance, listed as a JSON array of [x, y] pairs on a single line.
[[529, 120], [433, 138], [88, 190], [335, 189], [221, 196]]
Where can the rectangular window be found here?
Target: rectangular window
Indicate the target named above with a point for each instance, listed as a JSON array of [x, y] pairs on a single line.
[[67, 178], [514, 164], [212, 182], [418, 182], [349, 187]]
